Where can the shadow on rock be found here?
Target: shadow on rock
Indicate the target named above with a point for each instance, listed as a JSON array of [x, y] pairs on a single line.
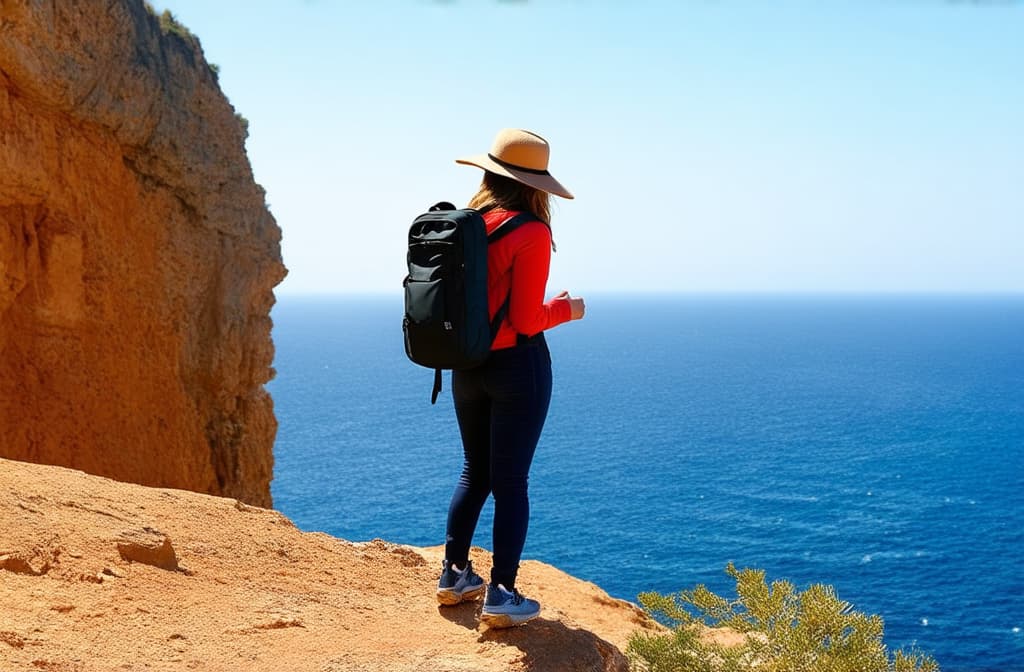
[[547, 646], [552, 646], [466, 614]]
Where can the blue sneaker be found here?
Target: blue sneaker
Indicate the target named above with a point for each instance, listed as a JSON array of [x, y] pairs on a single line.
[[454, 586], [503, 608]]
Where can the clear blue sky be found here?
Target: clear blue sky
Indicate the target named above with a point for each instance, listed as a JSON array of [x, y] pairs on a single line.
[[712, 145]]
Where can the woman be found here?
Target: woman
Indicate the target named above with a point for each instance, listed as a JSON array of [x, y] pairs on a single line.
[[501, 405]]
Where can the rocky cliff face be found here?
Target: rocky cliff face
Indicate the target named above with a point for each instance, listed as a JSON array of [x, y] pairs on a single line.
[[137, 255]]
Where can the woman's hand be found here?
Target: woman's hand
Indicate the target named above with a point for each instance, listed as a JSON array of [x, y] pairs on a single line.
[[576, 305]]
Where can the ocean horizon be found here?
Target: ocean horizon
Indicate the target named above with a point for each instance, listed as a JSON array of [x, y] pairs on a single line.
[[868, 441]]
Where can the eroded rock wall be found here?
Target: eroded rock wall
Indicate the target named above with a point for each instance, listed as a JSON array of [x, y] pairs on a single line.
[[137, 256]]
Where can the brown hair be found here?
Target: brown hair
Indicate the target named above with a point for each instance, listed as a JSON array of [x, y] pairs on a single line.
[[507, 194]]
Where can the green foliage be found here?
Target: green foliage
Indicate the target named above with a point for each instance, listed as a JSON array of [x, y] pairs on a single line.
[[244, 123], [782, 630], [169, 24]]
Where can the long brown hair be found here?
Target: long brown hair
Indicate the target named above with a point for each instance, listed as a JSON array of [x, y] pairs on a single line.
[[507, 194]]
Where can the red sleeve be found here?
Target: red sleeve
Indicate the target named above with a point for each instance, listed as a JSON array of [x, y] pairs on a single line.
[[527, 313]]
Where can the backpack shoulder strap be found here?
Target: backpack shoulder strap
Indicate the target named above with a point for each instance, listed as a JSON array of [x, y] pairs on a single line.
[[437, 386], [505, 228], [510, 225]]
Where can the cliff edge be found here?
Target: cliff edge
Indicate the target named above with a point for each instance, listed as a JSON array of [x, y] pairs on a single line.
[[100, 575], [137, 256]]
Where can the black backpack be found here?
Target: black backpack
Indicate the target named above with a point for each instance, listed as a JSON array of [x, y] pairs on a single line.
[[447, 323]]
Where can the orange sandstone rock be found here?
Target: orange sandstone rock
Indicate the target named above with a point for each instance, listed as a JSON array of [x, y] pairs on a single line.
[[148, 546], [260, 594], [137, 256]]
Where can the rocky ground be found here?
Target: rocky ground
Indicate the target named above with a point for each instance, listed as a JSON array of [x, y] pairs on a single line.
[[101, 575]]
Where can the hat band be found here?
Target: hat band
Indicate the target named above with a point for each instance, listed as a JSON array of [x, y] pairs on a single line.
[[512, 166]]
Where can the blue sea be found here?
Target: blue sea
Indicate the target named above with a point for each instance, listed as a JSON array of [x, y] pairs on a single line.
[[875, 443]]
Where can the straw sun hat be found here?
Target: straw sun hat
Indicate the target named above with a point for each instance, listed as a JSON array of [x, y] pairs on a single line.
[[522, 156]]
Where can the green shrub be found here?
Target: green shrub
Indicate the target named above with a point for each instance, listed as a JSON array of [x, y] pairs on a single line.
[[781, 630], [169, 24], [243, 123]]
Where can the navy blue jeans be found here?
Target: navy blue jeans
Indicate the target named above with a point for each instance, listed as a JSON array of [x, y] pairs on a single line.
[[501, 407]]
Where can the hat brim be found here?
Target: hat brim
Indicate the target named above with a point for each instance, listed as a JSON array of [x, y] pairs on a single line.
[[537, 181]]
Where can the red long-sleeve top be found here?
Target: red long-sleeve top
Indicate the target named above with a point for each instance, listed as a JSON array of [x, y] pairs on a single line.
[[520, 261]]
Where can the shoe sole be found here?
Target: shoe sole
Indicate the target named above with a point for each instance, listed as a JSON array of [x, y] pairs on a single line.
[[451, 598], [505, 620]]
